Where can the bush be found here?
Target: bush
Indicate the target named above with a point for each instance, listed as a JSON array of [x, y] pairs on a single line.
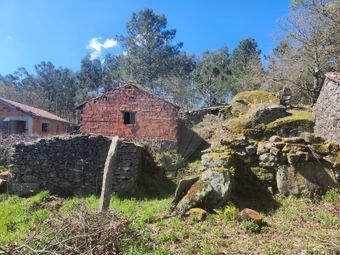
[[169, 160], [229, 213], [331, 196], [251, 226]]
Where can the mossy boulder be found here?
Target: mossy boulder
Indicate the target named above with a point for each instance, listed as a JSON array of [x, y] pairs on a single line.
[[237, 125], [305, 178], [293, 125], [198, 213], [249, 109], [264, 114], [222, 157], [263, 174], [212, 190], [196, 194], [213, 187], [183, 188], [243, 101]]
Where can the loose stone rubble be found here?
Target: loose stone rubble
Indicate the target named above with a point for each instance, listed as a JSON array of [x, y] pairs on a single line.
[[6, 144]]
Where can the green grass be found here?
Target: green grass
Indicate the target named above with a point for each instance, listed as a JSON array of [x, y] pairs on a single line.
[[20, 216], [332, 196], [300, 225]]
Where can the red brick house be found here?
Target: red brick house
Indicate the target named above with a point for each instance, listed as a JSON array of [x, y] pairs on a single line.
[[17, 118], [130, 112]]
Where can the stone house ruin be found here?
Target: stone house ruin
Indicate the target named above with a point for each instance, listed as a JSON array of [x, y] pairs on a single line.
[[130, 112], [327, 109], [17, 118]]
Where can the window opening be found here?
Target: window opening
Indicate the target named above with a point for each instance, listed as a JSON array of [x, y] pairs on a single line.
[[129, 117], [44, 127]]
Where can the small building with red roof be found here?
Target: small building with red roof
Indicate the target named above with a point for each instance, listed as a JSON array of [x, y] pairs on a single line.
[[17, 118]]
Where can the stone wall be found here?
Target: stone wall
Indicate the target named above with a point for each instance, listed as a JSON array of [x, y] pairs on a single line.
[[194, 117], [72, 165], [327, 109], [6, 144]]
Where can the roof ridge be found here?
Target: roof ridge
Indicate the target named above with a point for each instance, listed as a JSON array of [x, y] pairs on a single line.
[[124, 86]]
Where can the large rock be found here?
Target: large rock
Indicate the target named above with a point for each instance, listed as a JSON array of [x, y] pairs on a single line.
[[212, 190], [194, 197], [298, 122], [221, 187], [211, 159], [327, 108], [243, 101], [268, 113], [249, 214], [305, 178], [183, 188]]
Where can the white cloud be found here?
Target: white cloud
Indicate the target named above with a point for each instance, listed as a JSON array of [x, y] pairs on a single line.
[[95, 46], [109, 43]]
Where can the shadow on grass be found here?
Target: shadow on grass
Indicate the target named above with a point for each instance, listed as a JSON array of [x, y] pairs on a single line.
[[154, 185], [250, 192]]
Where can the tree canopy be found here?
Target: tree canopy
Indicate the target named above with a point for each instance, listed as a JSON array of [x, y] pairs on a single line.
[[153, 59]]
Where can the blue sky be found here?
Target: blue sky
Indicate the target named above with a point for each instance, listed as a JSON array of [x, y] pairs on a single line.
[[60, 31]]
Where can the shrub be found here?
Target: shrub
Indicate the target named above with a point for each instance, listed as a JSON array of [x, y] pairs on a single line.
[[331, 196], [229, 213], [251, 226], [169, 160]]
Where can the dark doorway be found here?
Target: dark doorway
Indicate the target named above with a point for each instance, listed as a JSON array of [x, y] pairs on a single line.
[[17, 127]]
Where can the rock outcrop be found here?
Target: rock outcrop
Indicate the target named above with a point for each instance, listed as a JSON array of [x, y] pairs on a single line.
[[327, 109], [269, 149]]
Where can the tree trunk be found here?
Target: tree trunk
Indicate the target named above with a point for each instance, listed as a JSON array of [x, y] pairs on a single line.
[[317, 79]]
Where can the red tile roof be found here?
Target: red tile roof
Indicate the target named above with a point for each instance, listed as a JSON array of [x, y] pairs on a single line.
[[32, 110]]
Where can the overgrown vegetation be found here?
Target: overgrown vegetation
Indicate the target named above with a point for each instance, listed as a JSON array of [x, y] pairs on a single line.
[[300, 225], [3, 169]]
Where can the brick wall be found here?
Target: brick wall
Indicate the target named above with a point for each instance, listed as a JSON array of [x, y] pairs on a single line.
[[155, 118], [52, 127], [6, 111]]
